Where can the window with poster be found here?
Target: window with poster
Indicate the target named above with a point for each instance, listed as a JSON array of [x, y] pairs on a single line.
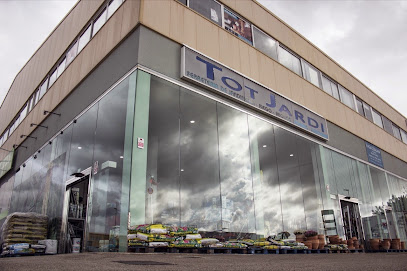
[[238, 26]]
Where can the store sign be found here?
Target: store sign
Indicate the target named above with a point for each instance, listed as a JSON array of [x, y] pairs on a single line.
[[140, 143], [204, 71], [6, 163], [374, 155]]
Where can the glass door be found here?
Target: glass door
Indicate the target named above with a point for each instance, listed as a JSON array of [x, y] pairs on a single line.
[[351, 220]]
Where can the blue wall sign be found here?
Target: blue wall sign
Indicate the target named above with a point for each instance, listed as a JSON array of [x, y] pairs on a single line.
[[374, 155], [200, 69]]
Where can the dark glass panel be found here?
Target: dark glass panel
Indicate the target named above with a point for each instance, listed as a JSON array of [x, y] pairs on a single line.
[[267, 198], [200, 189], [109, 155], [290, 183], [163, 204], [235, 173], [208, 8]]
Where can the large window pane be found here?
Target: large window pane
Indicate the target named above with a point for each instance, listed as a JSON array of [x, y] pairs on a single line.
[[113, 6], [289, 60], [72, 53], [403, 136], [84, 39], [377, 119], [266, 185], [396, 131], [99, 22], [52, 78], [42, 90], [368, 111], [81, 148], [347, 97], [264, 43], [312, 74], [163, 170], [61, 67], [208, 8], [388, 126], [199, 182], [238, 26], [359, 107], [109, 154], [235, 173], [292, 200]]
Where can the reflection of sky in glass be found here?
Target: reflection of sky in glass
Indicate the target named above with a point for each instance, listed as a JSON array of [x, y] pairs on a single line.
[[235, 171]]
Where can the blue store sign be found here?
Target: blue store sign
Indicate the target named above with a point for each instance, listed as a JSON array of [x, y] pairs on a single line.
[[374, 155], [200, 69]]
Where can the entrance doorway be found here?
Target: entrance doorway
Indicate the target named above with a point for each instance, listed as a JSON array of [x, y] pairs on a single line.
[[74, 222], [351, 219]]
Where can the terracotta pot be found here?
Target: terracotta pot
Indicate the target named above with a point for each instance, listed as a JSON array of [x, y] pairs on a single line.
[[385, 245], [374, 244], [321, 244], [300, 240], [321, 236], [356, 244], [300, 236], [315, 244], [351, 247], [402, 245], [334, 239], [312, 237], [354, 238], [308, 244], [395, 244], [349, 242]]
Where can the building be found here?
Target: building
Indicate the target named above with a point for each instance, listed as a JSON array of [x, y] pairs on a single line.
[[207, 113]]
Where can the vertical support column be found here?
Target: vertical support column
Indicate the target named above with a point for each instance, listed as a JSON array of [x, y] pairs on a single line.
[[139, 161], [128, 143]]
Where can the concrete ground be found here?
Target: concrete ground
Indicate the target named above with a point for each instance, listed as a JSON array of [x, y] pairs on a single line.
[[161, 261]]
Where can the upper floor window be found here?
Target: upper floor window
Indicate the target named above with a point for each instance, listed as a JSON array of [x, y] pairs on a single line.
[[113, 6], [72, 53], [387, 125], [359, 107], [312, 74], [238, 26], [84, 39], [61, 67], [43, 89], [210, 9], [377, 118], [347, 97], [368, 111], [396, 131], [99, 22], [330, 87], [403, 136], [289, 60], [264, 43]]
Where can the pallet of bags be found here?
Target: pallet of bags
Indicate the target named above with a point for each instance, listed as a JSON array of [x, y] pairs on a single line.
[[24, 228], [149, 235]]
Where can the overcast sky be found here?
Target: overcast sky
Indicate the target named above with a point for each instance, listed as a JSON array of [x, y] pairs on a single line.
[[368, 38]]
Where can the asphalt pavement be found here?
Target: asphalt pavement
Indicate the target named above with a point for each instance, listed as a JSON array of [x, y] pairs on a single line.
[[162, 261]]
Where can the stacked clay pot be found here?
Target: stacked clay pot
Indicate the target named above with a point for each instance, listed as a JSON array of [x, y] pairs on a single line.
[[402, 245], [321, 239], [308, 243], [395, 244], [385, 244], [374, 244], [350, 244], [300, 238], [334, 239], [315, 241]]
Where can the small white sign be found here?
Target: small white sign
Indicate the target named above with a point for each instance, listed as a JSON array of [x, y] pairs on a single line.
[[95, 167], [140, 143]]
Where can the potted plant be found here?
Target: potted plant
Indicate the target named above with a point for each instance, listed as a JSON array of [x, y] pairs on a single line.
[[311, 234], [299, 235]]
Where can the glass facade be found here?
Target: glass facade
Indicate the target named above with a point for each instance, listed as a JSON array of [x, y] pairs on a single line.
[[203, 163]]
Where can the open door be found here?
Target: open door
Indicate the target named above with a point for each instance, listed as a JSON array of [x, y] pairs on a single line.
[[351, 219], [76, 205]]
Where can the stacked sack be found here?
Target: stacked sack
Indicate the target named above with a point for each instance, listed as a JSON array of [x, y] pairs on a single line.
[[150, 235], [185, 237], [27, 228]]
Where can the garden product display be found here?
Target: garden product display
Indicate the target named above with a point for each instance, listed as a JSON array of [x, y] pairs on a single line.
[[51, 246], [185, 244], [24, 228], [209, 241], [193, 236]]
